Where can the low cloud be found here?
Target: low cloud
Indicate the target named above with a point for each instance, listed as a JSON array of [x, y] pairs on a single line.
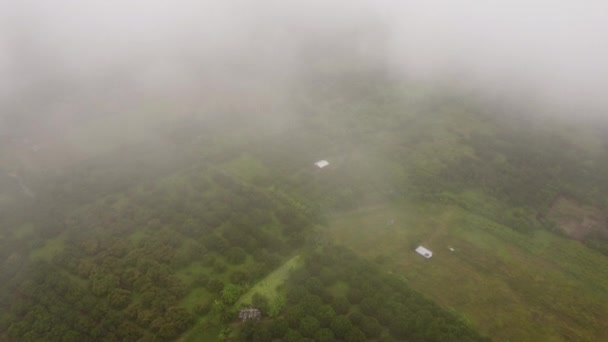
[[116, 52]]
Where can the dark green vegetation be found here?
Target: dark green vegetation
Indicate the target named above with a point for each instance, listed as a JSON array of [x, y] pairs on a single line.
[[142, 254], [165, 239], [337, 295]]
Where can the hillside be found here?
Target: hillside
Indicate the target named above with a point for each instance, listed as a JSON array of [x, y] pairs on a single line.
[[166, 238]]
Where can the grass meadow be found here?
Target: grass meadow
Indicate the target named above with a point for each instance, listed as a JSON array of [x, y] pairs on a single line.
[[268, 286], [509, 285]]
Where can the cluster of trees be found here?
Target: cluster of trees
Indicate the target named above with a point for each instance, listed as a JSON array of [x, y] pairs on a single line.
[[524, 167], [337, 296], [49, 306], [116, 276]]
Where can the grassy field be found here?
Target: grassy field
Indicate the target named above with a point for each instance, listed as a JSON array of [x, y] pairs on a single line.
[[512, 287], [268, 286]]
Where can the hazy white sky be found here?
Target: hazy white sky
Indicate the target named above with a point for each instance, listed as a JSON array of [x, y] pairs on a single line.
[[558, 49]]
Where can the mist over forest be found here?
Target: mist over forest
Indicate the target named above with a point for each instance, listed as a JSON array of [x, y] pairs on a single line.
[[553, 50], [160, 175]]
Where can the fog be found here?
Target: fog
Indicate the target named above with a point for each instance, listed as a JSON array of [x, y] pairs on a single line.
[[157, 169], [555, 49], [64, 60]]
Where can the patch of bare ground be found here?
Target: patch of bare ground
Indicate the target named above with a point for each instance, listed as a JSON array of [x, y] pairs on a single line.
[[576, 220]]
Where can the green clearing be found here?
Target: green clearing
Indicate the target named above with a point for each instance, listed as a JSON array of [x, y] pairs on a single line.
[[511, 286], [203, 331], [268, 286]]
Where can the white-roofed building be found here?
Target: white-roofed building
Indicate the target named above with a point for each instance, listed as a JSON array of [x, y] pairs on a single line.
[[322, 163], [424, 252]]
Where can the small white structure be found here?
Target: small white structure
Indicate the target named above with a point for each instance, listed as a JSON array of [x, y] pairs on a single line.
[[451, 249], [322, 163], [424, 252], [250, 314]]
